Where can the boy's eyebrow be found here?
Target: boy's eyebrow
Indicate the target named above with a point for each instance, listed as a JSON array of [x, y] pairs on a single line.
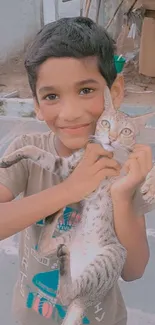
[[79, 83], [87, 81], [46, 89]]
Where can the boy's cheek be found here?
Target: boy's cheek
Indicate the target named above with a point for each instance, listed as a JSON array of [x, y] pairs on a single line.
[[96, 108]]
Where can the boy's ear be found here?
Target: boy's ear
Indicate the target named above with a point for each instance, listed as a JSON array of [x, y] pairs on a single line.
[[37, 110], [117, 91]]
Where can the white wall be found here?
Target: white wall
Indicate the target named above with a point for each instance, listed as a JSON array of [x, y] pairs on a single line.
[[54, 9], [21, 19], [72, 8], [19, 22]]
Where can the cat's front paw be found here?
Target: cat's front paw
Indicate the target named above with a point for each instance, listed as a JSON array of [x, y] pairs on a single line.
[[148, 188], [70, 163], [44, 159], [16, 156]]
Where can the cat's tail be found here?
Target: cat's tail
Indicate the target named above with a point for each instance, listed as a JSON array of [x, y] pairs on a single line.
[[75, 313]]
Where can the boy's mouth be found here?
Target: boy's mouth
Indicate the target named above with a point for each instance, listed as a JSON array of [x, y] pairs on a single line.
[[75, 129]]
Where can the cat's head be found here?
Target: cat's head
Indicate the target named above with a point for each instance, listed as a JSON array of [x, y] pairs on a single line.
[[116, 129]]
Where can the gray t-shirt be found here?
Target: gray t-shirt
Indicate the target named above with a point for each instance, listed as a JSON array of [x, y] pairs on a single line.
[[35, 299]]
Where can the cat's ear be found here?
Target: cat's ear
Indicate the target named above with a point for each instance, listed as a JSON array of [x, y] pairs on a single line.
[[108, 103], [141, 121], [117, 92]]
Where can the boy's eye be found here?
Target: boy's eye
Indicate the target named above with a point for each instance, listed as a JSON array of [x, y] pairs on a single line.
[[86, 91], [51, 97]]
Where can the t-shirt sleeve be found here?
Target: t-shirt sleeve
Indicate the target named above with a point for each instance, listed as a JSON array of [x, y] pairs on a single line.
[[15, 177], [140, 205]]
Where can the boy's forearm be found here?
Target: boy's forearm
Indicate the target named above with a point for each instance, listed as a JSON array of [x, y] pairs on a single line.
[[131, 232], [18, 215]]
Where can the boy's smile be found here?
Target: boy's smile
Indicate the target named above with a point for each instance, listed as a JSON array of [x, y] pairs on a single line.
[[70, 99], [76, 129]]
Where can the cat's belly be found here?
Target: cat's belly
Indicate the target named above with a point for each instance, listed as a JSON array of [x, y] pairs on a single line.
[[95, 227], [81, 255]]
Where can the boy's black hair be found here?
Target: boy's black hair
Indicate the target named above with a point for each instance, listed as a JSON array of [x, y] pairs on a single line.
[[77, 37]]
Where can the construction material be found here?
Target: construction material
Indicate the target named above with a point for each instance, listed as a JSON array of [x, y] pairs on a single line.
[[147, 48], [13, 94], [148, 4]]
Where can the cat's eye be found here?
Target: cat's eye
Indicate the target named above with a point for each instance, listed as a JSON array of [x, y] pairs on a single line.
[[126, 131], [105, 124]]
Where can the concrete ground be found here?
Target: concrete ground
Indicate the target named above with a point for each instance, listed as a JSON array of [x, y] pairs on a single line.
[[139, 295]]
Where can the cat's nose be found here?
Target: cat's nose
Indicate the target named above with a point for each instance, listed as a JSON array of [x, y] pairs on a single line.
[[112, 136], [111, 139]]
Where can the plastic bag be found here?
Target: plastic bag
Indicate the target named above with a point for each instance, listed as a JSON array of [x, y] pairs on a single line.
[[128, 42]]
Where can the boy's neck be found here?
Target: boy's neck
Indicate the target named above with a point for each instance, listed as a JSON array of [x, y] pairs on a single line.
[[61, 149]]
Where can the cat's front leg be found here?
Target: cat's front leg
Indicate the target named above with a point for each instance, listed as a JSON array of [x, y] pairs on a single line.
[[70, 163], [41, 157], [148, 188]]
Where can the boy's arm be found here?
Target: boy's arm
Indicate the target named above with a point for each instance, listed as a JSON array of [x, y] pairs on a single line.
[[130, 228], [20, 214], [5, 194], [131, 231]]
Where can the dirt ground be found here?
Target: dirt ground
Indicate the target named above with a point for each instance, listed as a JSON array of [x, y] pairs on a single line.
[[139, 90]]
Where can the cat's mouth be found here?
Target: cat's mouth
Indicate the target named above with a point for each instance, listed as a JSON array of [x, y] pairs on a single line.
[[109, 145]]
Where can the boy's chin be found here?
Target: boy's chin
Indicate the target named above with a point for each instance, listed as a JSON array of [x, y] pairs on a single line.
[[75, 144]]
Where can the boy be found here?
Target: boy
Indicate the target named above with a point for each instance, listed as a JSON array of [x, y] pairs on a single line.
[[68, 65]]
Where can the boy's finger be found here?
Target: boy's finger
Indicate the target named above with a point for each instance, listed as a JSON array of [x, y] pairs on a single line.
[[132, 165], [140, 147], [144, 159], [94, 151], [106, 163], [144, 147], [107, 172]]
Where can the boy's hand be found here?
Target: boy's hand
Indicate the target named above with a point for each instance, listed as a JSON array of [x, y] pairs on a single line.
[[91, 170], [136, 168]]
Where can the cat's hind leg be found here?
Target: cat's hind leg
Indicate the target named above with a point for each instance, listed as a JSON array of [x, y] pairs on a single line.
[[65, 282], [75, 312], [97, 278]]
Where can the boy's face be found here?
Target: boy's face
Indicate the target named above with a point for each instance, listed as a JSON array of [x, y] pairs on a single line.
[[70, 95]]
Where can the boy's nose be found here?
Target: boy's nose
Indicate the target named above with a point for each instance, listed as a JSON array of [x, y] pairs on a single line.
[[70, 112]]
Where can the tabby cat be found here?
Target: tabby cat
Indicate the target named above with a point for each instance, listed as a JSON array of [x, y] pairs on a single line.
[[90, 256]]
